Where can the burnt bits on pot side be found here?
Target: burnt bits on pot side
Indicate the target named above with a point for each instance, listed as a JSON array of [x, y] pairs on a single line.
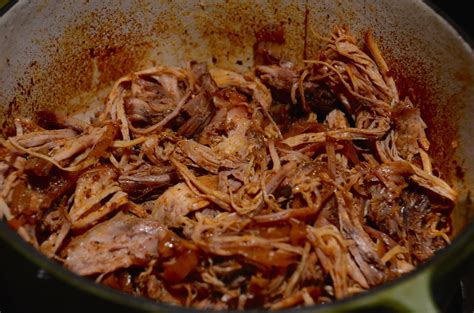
[[94, 51], [91, 54]]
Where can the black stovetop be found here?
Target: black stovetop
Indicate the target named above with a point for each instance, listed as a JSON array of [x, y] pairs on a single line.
[[24, 287]]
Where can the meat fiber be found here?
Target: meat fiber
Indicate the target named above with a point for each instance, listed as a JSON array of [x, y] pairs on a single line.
[[120, 242], [288, 185]]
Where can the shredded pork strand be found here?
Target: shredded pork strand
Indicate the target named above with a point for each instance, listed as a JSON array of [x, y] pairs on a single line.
[[201, 188]]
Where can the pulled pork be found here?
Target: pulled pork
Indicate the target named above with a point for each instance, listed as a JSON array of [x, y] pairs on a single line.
[[195, 187]]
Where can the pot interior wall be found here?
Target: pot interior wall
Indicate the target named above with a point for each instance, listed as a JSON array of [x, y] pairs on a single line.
[[63, 55]]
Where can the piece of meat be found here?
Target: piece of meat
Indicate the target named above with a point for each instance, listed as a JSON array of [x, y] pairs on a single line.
[[253, 87], [120, 242], [338, 134], [229, 98], [58, 225], [97, 195], [224, 100], [393, 175], [74, 146], [385, 215], [53, 120], [140, 182], [206, 158], [304, 126], [207, 187], [256, 250], [409, 130], [169, 84], [268, 46], [63, 146], [236, 142], [99, 139], [355, 78], [279, 77], [364, 251], [305, 296], [331, 250], [350, 50], [104, 141], [139, 111], [140, 185], [336, 120], [433, 183], [416, 213], [200, 109], [39, 138], [162, 91], [175, 203]]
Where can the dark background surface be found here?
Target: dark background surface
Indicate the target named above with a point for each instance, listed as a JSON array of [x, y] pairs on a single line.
[[458, 11], [26, 288]]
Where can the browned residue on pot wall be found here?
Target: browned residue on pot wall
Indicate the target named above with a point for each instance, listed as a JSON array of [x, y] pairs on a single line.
[[94, 51], [442, 117]]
